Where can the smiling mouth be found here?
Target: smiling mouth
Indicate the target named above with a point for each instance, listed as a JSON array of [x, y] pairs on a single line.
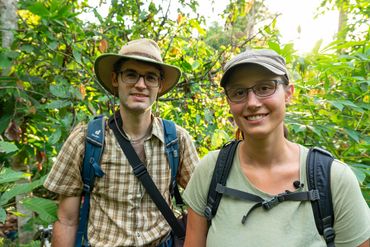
[[139, 95], [256, 117]]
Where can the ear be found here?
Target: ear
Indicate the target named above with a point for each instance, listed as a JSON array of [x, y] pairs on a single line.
[[289, 91], [114, 79], [160, 86]]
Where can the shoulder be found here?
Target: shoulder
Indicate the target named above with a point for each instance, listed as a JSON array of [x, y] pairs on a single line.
[[208, 163], [181, 132], [78, 134]]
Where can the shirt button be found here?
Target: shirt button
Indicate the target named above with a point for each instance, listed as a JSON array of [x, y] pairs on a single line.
[[138, 234]]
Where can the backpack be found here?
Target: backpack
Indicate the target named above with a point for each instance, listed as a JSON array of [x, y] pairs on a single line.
[[94, 145], [319, 193]]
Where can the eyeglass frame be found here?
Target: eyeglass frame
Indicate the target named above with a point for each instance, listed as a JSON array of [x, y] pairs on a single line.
[[160, 77], [248, 89]]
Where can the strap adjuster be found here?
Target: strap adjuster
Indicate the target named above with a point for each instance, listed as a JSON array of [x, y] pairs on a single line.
[[208, 213], [329, 234], [140, 170], [86, 188]]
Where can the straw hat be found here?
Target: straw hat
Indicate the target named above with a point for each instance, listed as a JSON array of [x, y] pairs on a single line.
[[145, 50]]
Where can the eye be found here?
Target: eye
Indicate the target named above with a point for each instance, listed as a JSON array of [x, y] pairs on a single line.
[[130, 74], [151, 78], [265, 87], [236, 92]]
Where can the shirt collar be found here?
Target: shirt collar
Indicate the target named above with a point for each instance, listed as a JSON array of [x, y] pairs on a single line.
[[157, 129]]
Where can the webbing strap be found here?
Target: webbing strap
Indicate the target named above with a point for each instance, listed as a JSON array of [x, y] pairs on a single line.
[[172, 153], [311, 195], [220, 174], [142, 174], [318, 176], [94, 145]]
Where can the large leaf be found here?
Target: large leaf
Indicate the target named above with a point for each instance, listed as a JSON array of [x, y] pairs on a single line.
[[54, 138], [45, 208], [360, 174], [2, 215], [59, 91], [8, 175], [20, 189], [7, 147]]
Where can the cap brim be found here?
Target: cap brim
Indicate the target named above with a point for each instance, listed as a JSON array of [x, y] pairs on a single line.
[[104, 67]]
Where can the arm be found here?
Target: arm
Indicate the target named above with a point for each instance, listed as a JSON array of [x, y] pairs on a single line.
[[196, 230], [365, 244], [65, 228]]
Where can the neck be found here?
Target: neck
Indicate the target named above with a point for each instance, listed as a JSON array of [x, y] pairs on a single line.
[[267, 152], [136, 126]]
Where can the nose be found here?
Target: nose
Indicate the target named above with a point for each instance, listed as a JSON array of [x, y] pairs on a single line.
[[252, 100], [140, 82]]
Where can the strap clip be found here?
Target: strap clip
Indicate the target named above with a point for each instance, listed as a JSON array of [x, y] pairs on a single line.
[[268, 204]]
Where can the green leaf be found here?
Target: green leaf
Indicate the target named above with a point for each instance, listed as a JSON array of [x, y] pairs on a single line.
[[353, 134], [54, 138], [2, 215], [218, 138], [8, 175], [77, 55], [45, 208], [7, 147], [39, 9], [360, 174], [4, 61], [336, 104], [57, 104], [59, 91], [20, 189]]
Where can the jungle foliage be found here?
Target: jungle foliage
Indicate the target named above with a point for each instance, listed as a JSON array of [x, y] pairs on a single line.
[[48, 84]]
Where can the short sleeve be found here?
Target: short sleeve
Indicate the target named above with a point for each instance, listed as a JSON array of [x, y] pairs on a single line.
[[195, 194], [351, 212], [65, 175]]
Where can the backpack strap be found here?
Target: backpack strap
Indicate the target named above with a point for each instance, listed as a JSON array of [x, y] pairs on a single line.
[[172, 152], [142, 174], [318, 176], [220, 174], [267, 204], [94, 145]]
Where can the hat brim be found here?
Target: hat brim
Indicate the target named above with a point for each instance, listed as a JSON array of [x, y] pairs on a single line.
[[265, 64], [104, 67]]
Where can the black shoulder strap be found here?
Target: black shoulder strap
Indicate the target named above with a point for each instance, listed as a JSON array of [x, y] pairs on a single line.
[[142, 174], [220, 174], [318, 176]]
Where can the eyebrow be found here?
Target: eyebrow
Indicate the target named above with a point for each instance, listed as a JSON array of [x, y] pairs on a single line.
[[149, 72]]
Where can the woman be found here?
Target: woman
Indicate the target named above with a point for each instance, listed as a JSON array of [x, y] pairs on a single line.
[[266, 164]]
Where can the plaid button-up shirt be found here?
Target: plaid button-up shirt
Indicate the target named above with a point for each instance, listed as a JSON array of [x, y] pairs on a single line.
[[122, 213]]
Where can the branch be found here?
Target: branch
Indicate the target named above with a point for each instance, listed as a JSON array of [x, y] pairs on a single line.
[[163, 22]]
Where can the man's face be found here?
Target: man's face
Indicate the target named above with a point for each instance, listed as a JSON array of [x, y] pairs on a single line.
[[135, 83]]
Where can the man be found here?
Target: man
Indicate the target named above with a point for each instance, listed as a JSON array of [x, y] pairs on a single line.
[[121, 212]]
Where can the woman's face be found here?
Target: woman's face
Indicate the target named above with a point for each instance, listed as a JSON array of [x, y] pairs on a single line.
[[257, 116]]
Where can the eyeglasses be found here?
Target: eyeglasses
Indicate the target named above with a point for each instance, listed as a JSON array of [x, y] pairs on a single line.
[[132, 77], [261, 90]]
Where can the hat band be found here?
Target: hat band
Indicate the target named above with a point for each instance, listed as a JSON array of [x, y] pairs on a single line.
[[142, 55]]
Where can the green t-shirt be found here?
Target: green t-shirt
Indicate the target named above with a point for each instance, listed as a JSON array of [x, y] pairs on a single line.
[[290, 223]]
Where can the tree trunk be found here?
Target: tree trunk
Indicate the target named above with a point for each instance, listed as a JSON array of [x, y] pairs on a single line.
[[8, 17], [8, 20], [342, 21]]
